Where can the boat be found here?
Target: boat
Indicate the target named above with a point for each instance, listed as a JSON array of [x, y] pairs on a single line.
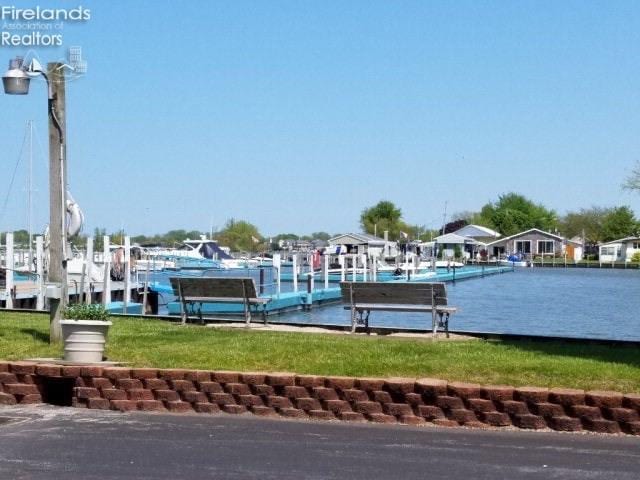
[[424, 269], [202, 253], [448, 264], [514, 260]]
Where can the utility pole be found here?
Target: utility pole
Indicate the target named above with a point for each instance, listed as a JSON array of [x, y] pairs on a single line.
[[57, 198]]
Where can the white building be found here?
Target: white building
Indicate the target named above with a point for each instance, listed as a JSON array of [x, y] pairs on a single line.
[[620, 250], [363, 243], [479, 233]]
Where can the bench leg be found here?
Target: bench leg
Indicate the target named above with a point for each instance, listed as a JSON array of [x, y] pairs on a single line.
[[247, 314], [183, 313], [444, 322], [434, 323], [354, 320]]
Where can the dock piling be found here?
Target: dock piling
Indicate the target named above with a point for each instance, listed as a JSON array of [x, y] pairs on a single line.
[[9, 265]]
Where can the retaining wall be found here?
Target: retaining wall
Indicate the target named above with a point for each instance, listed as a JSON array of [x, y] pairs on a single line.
[[394, 400]]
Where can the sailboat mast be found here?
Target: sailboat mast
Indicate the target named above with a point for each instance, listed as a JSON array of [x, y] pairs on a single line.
[[30, 189]]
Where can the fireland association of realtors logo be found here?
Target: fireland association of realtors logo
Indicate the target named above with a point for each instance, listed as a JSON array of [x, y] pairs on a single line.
[[36, 26]]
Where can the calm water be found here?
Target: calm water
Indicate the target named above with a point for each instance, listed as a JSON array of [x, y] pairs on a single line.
[[542, 301]]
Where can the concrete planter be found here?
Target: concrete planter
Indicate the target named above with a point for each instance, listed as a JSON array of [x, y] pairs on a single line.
[[84, 340]]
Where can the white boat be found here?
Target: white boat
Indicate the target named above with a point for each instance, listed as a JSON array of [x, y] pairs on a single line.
[[449, 264], [204, 249], [424, 269], [155, 265], [515, 260]]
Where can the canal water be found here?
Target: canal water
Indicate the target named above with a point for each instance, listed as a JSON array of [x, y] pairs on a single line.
[[537, 301], [568, 302]]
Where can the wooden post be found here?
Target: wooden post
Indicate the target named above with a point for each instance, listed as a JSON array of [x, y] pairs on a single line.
[[127, 274], [145, 292], [341, 263], [90, 268], [106, 286], [57, 198], [295, 272], [374, 269], [354, 263], [10, 265], [365, 266], [326, 271], [40, 273], [261, 285], [277, 262]]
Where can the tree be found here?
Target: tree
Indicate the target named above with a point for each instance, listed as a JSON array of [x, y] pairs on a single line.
[[239, 235], [633, 181], [587, 221], [453, 226], [383, 216], [619, 223], [98, 239], [514, 213], [320, 236]]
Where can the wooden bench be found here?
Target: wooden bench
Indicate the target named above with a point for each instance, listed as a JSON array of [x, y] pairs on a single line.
[[363, 297], [196, 291]]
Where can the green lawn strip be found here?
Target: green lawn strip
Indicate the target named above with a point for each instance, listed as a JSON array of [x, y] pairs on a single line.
[[155, 343]]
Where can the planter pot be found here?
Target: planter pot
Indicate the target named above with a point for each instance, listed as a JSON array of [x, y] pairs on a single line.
[[84, 340]]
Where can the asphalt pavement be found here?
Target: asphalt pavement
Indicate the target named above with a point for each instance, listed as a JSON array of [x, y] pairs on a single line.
[[63, 443]]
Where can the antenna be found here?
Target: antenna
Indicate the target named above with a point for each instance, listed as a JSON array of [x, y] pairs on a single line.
[[444, 217]]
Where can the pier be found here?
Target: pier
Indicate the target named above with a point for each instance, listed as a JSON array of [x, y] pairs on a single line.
[[311, 297]]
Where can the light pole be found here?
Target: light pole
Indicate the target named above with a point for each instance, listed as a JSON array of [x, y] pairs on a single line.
[[16, 82]]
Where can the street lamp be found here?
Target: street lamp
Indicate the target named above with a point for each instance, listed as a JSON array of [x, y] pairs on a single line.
[[16, 82]]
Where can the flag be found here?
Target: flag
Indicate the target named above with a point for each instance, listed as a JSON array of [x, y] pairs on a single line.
[[404, 234], [254, 239]]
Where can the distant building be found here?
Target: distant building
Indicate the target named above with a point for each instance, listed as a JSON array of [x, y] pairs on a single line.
[[448, 242], [620, 250], [295, 245], [535, 242], [478, 233], [362, 243]]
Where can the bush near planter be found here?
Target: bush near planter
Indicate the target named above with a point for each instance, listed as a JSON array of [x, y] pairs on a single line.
[[80, 311]]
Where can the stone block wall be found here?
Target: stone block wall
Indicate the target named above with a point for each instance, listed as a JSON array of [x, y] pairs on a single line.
[[393, 400]]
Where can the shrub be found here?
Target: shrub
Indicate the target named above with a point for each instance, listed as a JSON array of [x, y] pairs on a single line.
[[79, 311]]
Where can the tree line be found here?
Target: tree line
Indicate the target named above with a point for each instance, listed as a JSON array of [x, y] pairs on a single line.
[[509, 214]]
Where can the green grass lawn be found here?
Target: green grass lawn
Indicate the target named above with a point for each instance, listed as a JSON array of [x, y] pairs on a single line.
[[147, 342]]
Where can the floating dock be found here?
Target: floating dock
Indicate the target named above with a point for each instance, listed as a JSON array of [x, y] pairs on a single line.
[[316, 297]]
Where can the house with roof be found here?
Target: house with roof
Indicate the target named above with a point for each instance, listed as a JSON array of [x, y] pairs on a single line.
[[535, 242], [620, 250], [362, 243], [448, 243], [479, 233]]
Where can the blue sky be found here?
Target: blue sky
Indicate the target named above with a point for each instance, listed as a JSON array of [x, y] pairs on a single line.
[[296, 116]]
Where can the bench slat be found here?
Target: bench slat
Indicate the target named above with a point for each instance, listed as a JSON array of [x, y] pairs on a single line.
[[403, 308], [215, 287], [361, 297], [218, 290], [226, 299], [394, 293]]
